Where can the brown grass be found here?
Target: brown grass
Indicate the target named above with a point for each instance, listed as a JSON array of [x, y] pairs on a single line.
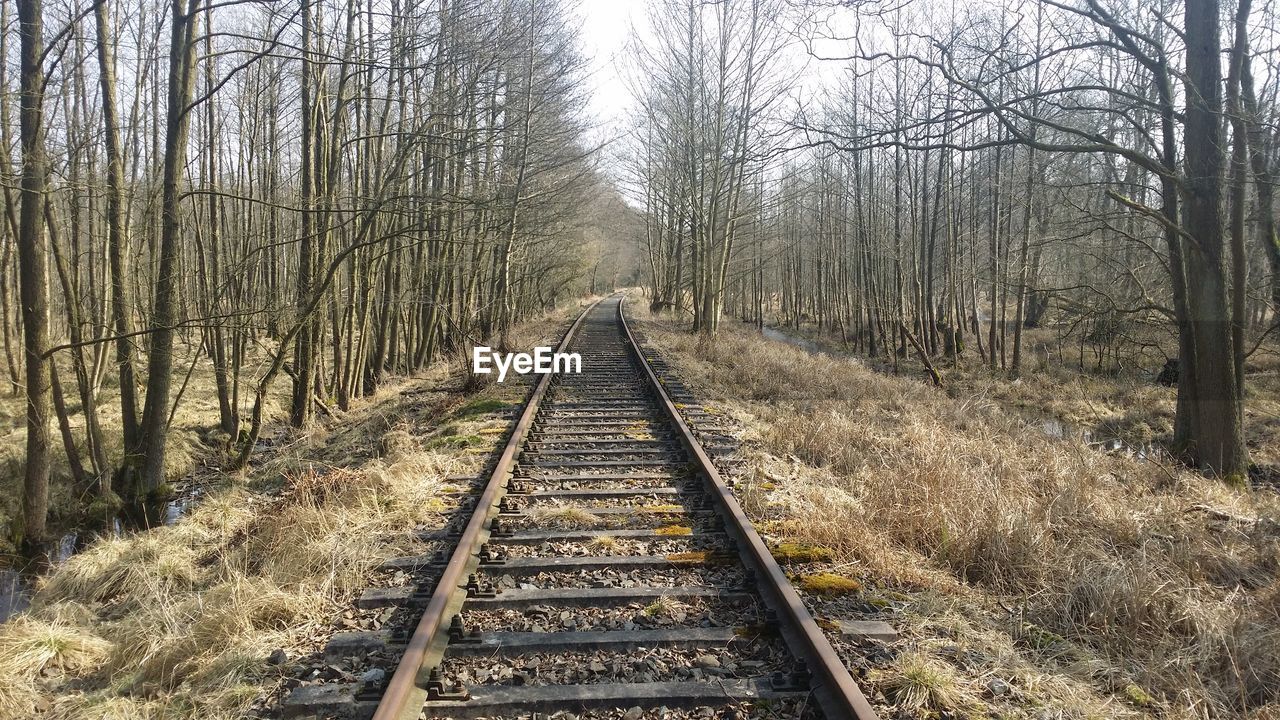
[[194, 438], [185, 616], [569, 516], [177, 623], [1083, 572], [674, 530]]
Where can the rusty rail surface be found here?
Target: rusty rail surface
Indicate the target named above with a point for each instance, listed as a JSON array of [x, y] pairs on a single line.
[[835, 689], [405, 683]]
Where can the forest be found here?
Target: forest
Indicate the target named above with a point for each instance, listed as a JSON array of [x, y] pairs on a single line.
[[298, 201], [294, 200], [973, 172]]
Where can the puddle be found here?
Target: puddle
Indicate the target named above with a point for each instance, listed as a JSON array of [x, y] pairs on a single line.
[[802, 343], [1061, 430], [14, 594], [15, 579]]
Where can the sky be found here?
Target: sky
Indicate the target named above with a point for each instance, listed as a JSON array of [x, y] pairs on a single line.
[[609, 26], [606, 28]]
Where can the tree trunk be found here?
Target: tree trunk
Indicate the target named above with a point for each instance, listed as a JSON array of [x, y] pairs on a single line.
[[1219, 438], [164, 317], [33, 273]]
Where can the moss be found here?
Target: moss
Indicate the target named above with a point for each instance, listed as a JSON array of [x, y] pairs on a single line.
[[828, 584], [1239, 481], [480, 406], [105, 505], [163, 491], [1138, 696], [756, 631], [1039, 638], [674, 530], [801, 553]]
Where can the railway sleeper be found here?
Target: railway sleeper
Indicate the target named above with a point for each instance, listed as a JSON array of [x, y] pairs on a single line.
[[508, 643], [490, 701], [534, 537], [605, 597]]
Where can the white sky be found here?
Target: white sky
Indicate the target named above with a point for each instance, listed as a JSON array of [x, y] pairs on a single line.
[[606, 28]]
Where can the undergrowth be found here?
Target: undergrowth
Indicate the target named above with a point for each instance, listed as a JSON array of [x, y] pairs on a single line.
[[180, 622], [1093, 584]]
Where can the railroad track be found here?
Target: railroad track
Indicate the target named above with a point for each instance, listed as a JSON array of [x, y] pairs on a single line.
[[606, 571]]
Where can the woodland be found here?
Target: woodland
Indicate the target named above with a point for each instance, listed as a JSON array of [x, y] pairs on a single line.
[[257, 211], [293, 200], [1095, 176]]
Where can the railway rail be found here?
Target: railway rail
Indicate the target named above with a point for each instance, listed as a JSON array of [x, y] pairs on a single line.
[[607, 570]]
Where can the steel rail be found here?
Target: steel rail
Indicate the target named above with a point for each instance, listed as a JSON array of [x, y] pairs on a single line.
[[836, 691], [405, 682]]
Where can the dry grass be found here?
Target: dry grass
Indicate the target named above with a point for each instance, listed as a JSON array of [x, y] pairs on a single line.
[[922, 683], [33, 649], [1083, 572], [604, 544], [178, 622], [569, 516], [194, 437], [187, 615], [664, 607]]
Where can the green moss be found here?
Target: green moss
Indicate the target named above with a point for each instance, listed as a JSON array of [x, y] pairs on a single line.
[[801, 553], [756, 631], [163, 491], [1039, 638], [480, 406], [828, 584], [1138, 696], [455, 442], [1239, 481], [104, 506]]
